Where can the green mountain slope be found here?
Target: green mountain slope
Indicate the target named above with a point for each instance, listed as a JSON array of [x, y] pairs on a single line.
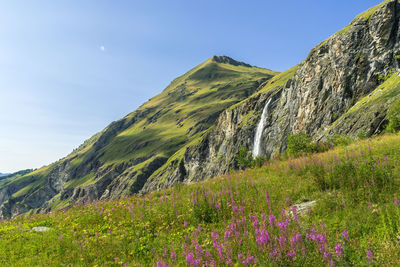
[[118, 161]]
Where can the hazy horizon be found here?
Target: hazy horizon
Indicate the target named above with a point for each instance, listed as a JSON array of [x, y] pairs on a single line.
[[71, 68]]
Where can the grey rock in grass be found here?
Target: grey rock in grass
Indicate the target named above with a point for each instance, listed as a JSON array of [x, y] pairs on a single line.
[[41, 229], [302, 208]]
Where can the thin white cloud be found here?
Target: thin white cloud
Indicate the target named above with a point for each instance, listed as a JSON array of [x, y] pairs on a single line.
[[102, 48]]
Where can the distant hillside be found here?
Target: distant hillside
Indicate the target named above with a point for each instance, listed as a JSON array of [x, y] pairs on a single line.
[[15, 174]]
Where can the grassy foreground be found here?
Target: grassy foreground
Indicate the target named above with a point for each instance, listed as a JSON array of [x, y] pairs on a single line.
[[243, 219]]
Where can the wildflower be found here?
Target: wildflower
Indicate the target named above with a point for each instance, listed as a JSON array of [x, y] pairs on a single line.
[[173, 255], [396, 202], [228, 234], [185, 224], [282, 241], [345, 235], [327, 255], [295, 239], [339, 250], [240, 256], [370, 255], [214, 235], [272, 220], [199, 250], [275, 253], [291, 254], [190, 259], [283, 225], [263, 238], [250, 259]]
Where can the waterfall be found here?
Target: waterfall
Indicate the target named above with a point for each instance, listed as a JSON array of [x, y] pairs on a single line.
[[260, 128]]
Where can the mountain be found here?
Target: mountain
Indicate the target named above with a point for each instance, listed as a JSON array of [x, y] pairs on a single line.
[[3, 174], [195, 127], [119, 160]]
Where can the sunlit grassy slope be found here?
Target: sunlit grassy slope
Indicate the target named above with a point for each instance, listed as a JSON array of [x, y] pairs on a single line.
[[152, 133], [244, 218]]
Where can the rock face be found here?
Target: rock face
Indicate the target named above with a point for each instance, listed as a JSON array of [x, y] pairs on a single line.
[[309, 98], [194, 129]]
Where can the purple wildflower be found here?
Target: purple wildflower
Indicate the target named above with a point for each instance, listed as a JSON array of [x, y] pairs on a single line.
[[291, 254], [345, 235], [370, 255], [190, 259], [339, 250], [272, 220], [327, 255]]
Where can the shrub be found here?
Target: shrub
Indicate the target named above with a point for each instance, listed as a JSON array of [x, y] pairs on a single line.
[[363, 134], [259, 161], [340, 140], [298, 144], [394, 117], [244, 158]]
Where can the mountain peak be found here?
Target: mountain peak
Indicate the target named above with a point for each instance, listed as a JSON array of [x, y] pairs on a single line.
[[228, 60]]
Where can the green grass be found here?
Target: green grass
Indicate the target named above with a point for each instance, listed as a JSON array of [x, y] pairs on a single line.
[[144, 230]]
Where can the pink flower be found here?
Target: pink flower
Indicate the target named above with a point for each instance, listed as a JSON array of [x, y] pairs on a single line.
[[339, 250], [345, 235], [370, 255]]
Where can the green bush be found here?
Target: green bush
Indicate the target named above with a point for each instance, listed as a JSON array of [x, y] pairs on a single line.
[[299, 144], [340, 140], [244, 158], [363, 134], [394, 117], [259, 161]]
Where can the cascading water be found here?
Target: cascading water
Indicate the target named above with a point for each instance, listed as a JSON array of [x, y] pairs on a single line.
[[260, 128]]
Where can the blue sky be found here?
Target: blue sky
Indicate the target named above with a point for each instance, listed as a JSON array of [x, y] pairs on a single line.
[[69, 68]]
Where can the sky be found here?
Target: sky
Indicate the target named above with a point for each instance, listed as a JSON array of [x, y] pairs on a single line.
[[70, 68]]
